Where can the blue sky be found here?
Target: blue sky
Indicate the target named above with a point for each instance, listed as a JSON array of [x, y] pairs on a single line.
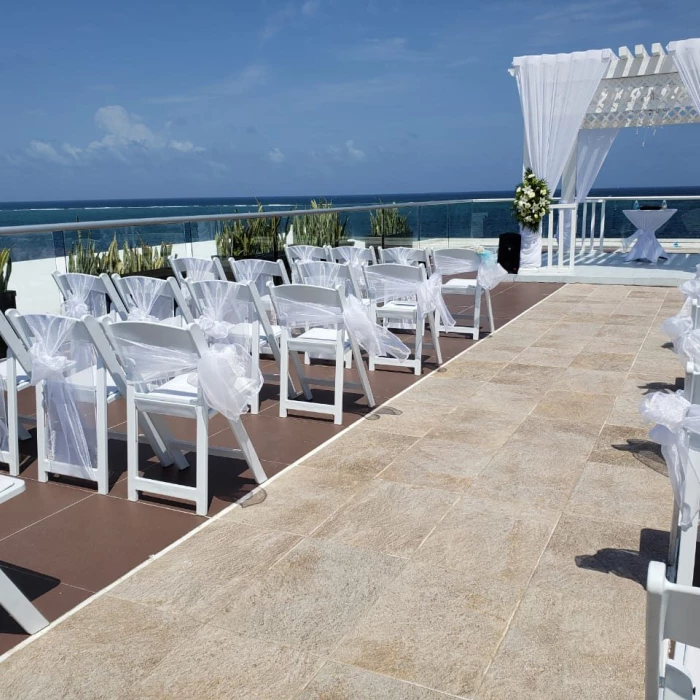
[[222, 98]]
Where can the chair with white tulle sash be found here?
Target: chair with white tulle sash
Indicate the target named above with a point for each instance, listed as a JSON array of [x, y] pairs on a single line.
[[171, 371], [304, 253], [195, 269], [349, 254], [87, 294], [402, 294], [232, 312], [401, 255], [259, 272], [73, 391], [459, 261], [152, 299], [321, 321], [14, 378]]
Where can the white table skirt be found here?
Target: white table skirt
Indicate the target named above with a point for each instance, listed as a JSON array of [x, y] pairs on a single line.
[[643, 241]]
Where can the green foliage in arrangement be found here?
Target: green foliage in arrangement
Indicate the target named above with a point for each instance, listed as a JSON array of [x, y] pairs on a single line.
[[390, 222], [85, 258], [531, 202], [248, 238], [319, 229], [5, 268]]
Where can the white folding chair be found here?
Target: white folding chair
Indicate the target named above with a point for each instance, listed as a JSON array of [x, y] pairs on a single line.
[[17, 605], [152, 299], [352, 254], [196, 269], [673, 614], [303, 253], [166, 390], [316, 309], [237, 310], [15, 371], [401, 255], [71, 403], [461, 260], [259, 272], [84, 294], [380, 280]]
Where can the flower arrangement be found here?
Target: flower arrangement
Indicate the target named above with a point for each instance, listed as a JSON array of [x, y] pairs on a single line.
[[531, 202]]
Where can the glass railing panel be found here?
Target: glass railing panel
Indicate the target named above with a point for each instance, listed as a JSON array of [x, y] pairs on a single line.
[[460, 225], [433, 226], [490, 219], [34, 258], [395, 227]]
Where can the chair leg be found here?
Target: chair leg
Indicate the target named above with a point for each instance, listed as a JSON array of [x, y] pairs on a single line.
[[364, 379], [477, 314], [489, 309], [418, 347], [13, 426], [255, 366], [246, 445], [132, 445], [202, 476], [284, 374], [435, 334], [19, 607], [42, 458], [102, 434], [156, 430], [339, 376], [300, 376]]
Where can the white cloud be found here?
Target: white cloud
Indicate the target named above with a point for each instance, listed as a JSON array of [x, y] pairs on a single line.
[[123, 132], [274, 155], [310, 7], [185, 146], [353, 152], [391, 50]]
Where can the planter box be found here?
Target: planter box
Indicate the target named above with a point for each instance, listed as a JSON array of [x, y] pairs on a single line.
[[162, 273]]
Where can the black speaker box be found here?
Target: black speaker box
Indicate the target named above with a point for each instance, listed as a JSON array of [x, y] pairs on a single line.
[[509, 252]]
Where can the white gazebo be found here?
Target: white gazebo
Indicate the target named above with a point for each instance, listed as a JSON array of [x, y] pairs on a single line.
[[573, 107]]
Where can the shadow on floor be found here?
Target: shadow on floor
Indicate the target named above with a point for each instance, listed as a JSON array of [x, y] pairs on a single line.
[[32, 584], [626, 563]]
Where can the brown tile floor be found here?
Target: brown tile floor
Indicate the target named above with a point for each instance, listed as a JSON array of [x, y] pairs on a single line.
[[61, 542]]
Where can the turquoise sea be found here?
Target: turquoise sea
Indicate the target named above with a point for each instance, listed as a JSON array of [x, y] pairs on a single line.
[[469, 220]]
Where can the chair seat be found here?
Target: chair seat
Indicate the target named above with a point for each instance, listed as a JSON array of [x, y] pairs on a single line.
[[22, 378], [396, 309], [178, 389], [320, 335], [459, 284], [10, 487]]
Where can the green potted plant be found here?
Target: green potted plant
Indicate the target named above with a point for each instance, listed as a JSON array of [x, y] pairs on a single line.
[[391, 223]]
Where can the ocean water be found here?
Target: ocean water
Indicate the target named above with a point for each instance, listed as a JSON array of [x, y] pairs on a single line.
[[470, 220]]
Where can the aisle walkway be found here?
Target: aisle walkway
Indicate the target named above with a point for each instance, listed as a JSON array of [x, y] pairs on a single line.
[[490, 541]]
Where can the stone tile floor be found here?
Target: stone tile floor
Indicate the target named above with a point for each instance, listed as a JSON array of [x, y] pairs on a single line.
[[489, 541]]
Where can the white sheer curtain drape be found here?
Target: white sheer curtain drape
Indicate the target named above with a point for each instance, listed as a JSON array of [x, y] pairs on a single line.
[[686, 57], [555, 91]]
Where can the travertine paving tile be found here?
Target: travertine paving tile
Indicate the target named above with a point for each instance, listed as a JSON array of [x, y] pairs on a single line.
[[478, 428], [429, 627], [527, 474], [527, 375], [196, 576], [626, 446], [414, 420], [342, 682], [217, 664], [300, 500], [547, 357], [502, 398], [579, 631], [574, 406], [388, 517], [311, 597], [364, 455], [490, 542], [435, 391], [437, 463], [636, 495], [463, 368], [606, 361], [101, 652], [589, 381]]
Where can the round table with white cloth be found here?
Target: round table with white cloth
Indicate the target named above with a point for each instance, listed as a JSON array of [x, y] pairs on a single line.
[[643, 240]]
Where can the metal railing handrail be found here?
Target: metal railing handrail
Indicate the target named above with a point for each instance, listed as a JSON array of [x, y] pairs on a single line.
[[156, 221]]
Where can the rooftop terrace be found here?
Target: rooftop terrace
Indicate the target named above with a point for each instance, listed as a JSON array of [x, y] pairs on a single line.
[[490, 540]]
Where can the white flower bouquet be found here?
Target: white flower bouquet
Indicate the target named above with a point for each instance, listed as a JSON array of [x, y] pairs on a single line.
[[531, 202]]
